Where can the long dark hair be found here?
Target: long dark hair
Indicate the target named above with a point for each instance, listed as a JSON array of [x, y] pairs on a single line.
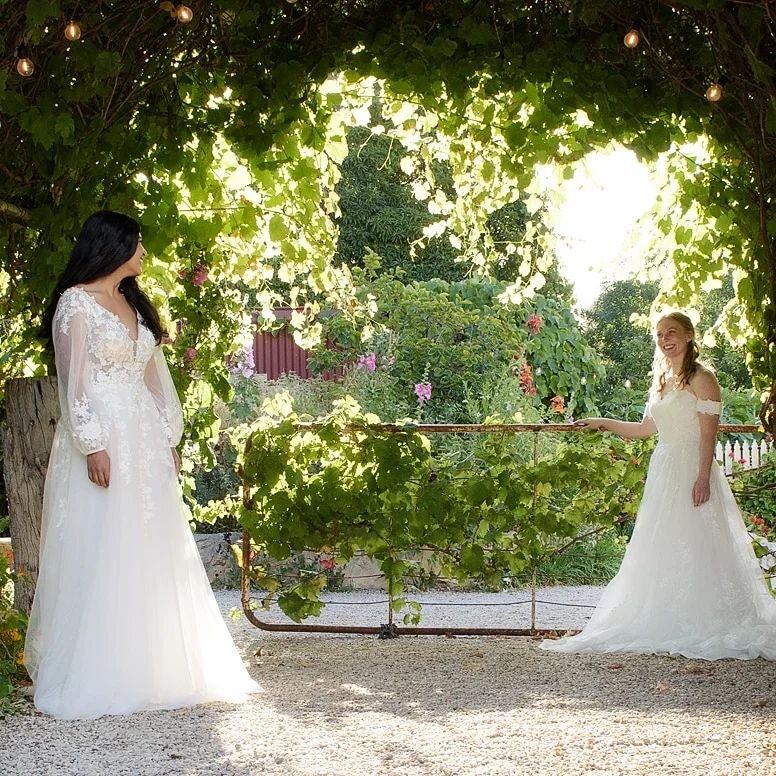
[[106, 241]]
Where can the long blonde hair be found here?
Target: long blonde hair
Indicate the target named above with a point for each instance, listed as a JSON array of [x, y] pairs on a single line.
[[661, 365]]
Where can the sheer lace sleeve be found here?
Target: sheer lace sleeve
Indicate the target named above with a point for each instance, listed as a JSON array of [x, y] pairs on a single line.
[[160, 384], [70, 328], [709, 407]]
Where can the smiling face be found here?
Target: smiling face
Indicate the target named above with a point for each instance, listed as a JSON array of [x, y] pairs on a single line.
[[673, 337], [134, 264]]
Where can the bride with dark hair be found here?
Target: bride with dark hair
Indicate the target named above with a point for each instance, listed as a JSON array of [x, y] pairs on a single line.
[[124, 618], [690, 583]]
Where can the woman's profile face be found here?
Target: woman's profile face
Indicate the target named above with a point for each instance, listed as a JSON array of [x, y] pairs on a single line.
[[135, 262], [672, 338]]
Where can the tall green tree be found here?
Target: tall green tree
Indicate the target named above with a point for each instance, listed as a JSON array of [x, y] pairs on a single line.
[[380, 212], [625, 349]]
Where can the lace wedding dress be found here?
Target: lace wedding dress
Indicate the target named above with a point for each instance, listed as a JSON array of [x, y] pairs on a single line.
[[690, 583], [123, 618]]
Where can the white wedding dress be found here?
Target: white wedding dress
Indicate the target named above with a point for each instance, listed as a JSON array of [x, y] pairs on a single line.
[[123, 618], [690, 583]]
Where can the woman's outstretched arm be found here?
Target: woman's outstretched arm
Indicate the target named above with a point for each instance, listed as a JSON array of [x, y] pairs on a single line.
[[627, 430]]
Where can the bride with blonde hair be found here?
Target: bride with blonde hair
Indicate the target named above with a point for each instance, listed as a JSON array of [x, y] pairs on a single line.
[[690, 583]]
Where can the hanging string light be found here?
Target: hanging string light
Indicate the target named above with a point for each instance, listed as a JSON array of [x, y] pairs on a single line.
[[72, 30], [178, 11], [632, 38], [25, 67], [715, 92], [183, 13]]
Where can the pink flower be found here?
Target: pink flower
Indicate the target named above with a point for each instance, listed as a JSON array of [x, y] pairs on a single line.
[[534, 323], [423, 392], [190, 354], [183, 274], [367, 362], [199, 276], [327, 564]]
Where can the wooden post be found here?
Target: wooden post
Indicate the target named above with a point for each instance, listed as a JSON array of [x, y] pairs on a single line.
[[32, 411]]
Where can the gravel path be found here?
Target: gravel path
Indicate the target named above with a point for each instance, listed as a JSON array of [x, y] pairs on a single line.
[[356, 706]]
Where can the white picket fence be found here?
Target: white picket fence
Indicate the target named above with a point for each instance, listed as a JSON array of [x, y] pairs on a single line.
[[746, 455]]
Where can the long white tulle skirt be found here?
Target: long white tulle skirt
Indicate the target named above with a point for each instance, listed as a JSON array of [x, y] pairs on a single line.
[[690, 583], [124, 618]]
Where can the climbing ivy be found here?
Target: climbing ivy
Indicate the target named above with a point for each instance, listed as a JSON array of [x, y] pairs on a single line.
[[226, 137]]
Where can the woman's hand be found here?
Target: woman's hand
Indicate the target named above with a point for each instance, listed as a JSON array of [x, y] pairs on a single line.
[[701, 491], [98, 466], [176, 460], [592, 424]]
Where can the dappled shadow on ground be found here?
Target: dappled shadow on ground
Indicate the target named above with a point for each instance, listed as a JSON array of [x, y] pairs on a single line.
[[356, 706], [412, 676]]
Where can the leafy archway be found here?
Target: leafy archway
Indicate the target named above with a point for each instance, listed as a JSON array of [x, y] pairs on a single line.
[[171, 121]]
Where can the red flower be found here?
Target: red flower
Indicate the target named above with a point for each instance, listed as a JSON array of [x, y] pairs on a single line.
[[327, 564], [558, 405], [534, 323]]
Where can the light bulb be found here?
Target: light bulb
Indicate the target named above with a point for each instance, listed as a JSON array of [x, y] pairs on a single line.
[[632, 38], [714, 92], [628, 384], [583, 380], [25, 67], [72, 30], [184, 14], [292, 2]]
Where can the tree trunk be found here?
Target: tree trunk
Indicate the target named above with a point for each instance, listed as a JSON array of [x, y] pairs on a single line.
[[32, 411]]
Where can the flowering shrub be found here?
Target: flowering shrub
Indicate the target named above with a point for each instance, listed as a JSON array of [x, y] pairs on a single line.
[[13, 625], [755, 492], [458, 337]]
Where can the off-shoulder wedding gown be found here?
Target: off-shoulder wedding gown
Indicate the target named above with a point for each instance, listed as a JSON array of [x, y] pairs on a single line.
[[690, 583], [123, 618]]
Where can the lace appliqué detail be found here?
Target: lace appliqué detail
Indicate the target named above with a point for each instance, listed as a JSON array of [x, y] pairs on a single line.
[[88, 429], [709, 407]]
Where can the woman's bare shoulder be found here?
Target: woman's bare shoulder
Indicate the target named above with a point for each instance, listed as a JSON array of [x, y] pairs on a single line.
[[704, 384]]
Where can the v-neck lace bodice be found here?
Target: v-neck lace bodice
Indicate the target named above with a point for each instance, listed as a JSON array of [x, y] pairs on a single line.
[[113, 355], [100, 367], [116, 316]]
